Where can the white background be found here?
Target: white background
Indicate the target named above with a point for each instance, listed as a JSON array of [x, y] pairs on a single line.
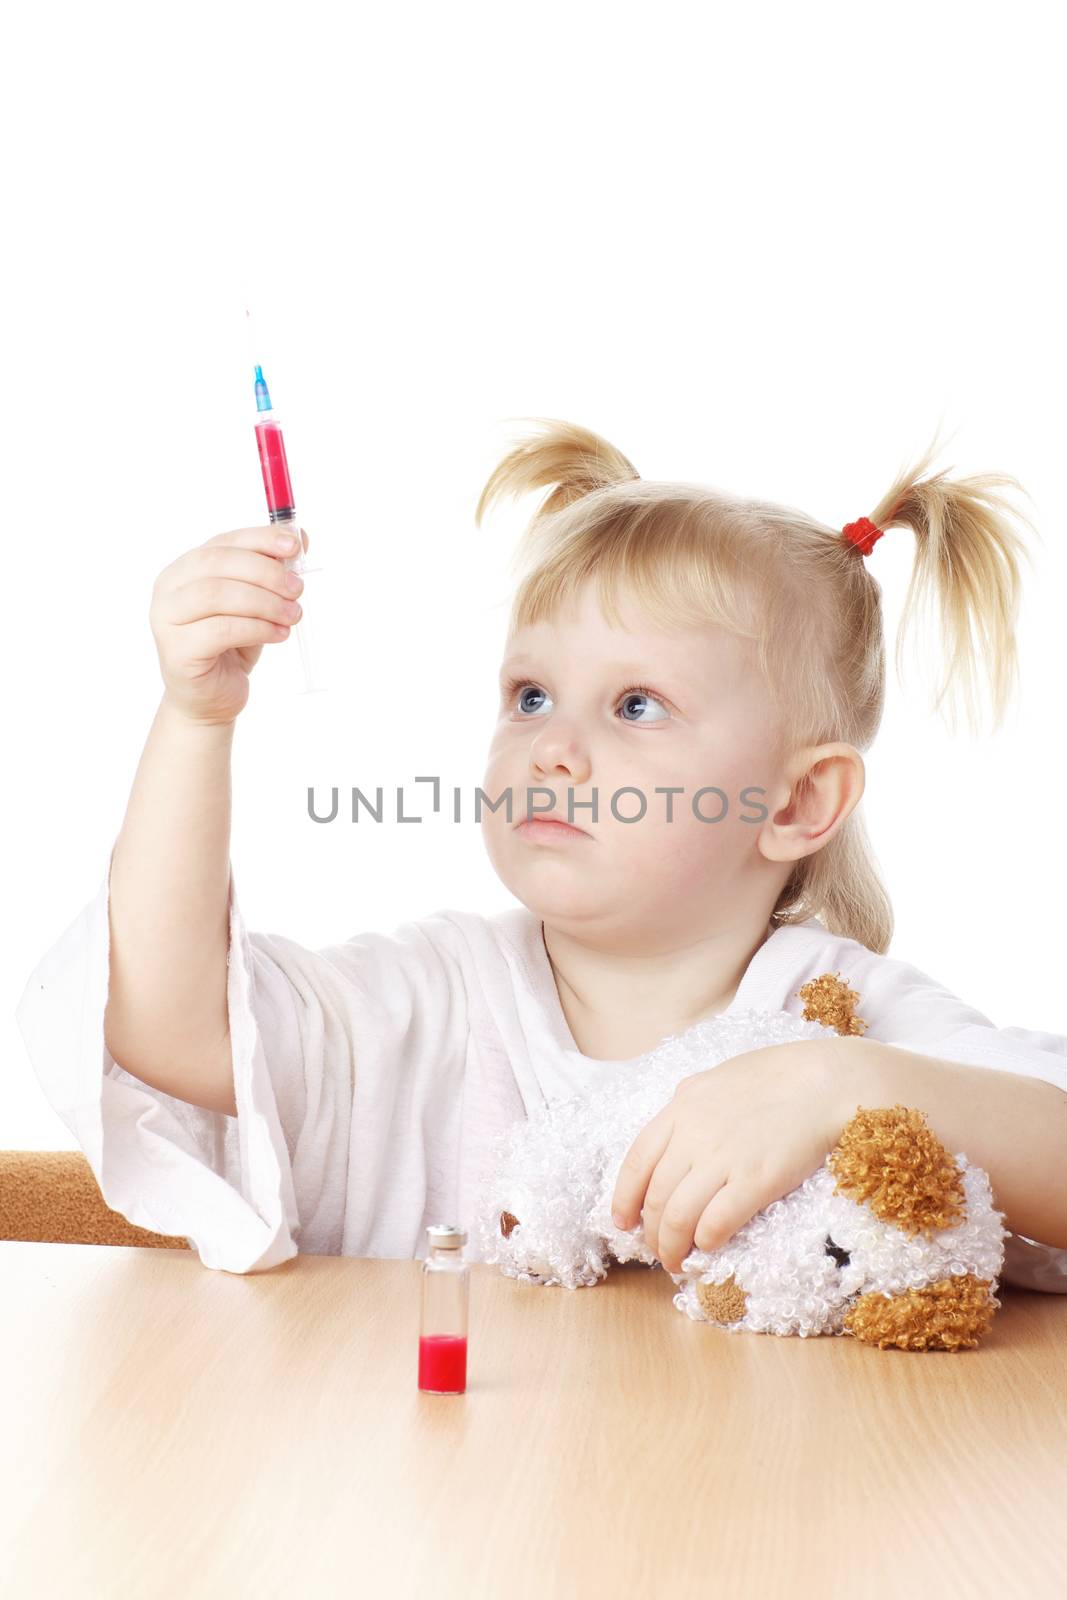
[[770, 249]]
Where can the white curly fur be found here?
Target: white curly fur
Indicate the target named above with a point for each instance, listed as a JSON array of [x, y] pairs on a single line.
[[556, 1172]]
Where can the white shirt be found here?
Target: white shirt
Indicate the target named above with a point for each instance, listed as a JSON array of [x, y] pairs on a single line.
[[372, 1076]]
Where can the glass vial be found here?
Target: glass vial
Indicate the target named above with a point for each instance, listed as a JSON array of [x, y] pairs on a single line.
[[443, 1324]]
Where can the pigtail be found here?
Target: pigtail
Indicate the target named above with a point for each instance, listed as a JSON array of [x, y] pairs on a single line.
[[573, 460], [966, 560]]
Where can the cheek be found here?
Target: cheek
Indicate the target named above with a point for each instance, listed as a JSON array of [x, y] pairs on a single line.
[[496, 741], [685, 851], [505, 769], [737, 759], [673, 848], [500, 761], [690, 848], [747, 755]]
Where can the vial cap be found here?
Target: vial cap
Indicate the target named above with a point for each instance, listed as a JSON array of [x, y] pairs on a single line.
[[443, 1236]]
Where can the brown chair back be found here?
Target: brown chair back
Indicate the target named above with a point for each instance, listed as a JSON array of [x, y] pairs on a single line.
[[51, 1196]]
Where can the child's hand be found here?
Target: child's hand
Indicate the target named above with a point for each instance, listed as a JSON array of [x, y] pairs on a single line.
[[733, 1139], [213, 610]]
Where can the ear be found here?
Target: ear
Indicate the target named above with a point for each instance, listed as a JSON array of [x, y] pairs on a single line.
[[890, 1160], [819, 789], [951, 1314]]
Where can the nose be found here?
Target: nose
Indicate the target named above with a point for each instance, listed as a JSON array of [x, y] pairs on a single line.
[[555, 752]]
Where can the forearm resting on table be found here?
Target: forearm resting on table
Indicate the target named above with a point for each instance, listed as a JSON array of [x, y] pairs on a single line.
[[1013, 1126]]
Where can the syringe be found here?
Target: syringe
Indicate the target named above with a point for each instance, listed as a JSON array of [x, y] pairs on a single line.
[[280, 505]]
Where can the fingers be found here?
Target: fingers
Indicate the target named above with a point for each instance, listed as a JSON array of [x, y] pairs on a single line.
[[682, 1221], [207, 638], [215, 579], [266, 537], [636, 1168], [218, 595], [660, 1216], [729, 1210]]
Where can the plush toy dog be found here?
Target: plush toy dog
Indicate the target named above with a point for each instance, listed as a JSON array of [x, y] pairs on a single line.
[[891, 1240]]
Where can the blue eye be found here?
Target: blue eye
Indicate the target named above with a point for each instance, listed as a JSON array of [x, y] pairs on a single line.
[[526, 688], [637, 691]]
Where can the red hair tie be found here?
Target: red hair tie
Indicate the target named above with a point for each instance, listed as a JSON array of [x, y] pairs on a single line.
[[862, 534]]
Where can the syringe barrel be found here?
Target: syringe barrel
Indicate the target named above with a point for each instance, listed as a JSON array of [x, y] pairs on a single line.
[[281, 507], [275, 468]]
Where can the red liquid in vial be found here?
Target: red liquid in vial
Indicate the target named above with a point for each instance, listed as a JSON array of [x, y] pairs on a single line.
[[443, 1363], [275, 467]]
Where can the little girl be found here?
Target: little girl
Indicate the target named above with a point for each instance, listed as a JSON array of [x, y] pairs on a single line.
[[689, 680]]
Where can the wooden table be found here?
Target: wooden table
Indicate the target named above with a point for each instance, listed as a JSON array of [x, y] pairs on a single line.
[[173, 1431]]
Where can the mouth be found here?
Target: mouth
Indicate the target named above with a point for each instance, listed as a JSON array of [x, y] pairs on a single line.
[[548, 830]]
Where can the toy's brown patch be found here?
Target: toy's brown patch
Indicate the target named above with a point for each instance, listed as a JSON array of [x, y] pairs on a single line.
[[950, 1314], [508, 1224], [722, 1302], [829, 1000], [891, 1161]]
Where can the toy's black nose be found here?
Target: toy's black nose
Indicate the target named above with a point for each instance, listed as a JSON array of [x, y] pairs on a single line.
[[842, 1257]]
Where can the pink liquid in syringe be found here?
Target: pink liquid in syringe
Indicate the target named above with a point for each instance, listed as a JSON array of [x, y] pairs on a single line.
[[275, 467]]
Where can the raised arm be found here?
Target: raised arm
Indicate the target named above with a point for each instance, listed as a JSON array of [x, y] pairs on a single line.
[[166, 1020]]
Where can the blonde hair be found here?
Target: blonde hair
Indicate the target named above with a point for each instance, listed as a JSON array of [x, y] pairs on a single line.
[[797, 593]]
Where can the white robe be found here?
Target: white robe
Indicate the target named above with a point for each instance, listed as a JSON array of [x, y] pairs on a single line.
[[372, 1076]]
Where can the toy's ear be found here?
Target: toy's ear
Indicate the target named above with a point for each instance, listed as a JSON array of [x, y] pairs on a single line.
[[508, 1224], [891, 1162], [950, 1314], [829, 1000]]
